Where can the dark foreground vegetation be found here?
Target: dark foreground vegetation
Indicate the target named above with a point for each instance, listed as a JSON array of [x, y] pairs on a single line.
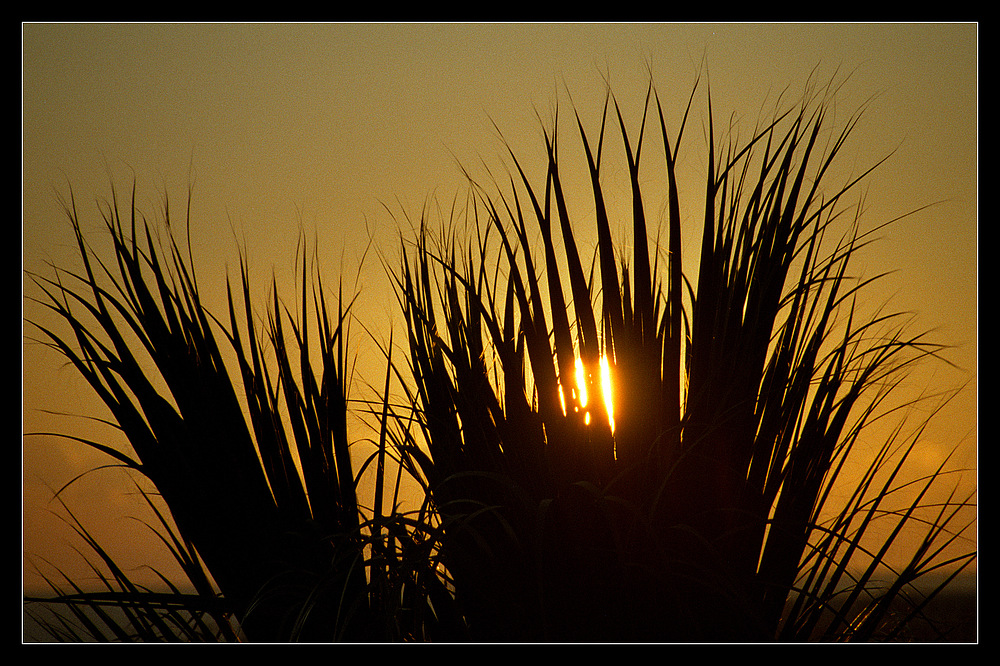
[[699, 508]]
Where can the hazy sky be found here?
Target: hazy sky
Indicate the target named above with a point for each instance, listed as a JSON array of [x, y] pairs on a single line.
[[283, 128]]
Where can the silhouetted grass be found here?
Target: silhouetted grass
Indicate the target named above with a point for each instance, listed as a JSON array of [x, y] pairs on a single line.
[[704, 513], [737, 400], [265, 494], [127, 612]]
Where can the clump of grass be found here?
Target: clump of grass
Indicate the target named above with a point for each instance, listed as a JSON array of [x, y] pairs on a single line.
[[256, 468], [738, 397]]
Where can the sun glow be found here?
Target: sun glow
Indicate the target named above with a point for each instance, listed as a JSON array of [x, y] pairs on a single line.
[[580, 393], [609, 403]]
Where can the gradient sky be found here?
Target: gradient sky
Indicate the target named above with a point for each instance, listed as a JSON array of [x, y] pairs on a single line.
[[283, 128]]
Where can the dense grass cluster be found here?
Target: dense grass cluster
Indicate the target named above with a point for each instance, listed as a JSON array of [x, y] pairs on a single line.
[[698, 508]]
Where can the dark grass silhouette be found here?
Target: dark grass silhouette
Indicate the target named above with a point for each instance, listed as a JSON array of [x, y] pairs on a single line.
[[736, 402], [284, 543], [704, 514]]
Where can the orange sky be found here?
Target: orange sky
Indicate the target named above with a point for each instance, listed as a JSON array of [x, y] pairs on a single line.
[[315, 127]]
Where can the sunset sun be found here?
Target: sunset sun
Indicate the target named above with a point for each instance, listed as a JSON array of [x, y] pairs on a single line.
[[582, 396]]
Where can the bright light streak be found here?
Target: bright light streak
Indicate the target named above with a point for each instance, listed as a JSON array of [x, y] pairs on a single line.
[[582, 397], [609, 402]]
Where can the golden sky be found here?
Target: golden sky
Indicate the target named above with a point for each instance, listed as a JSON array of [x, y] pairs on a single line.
[[320, 127]]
